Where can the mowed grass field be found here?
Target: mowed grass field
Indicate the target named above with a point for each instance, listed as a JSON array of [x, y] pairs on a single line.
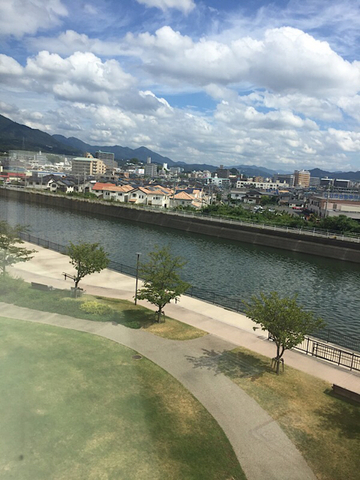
[[101, 309], [77, 406], [325, 428]]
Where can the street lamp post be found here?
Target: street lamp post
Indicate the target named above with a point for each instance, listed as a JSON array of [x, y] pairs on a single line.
[[137, 275]]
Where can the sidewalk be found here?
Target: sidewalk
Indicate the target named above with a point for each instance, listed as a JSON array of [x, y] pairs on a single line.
[[47, 267]]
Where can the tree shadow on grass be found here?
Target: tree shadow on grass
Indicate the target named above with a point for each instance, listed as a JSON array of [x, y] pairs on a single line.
[[232, 364], [134, 318], [342, 415]]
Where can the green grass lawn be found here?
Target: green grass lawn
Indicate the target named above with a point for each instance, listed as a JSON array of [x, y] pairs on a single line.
[[326, 429], [20, 293], [77, 406]]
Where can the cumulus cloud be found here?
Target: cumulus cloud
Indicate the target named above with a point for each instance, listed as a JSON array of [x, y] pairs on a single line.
[[9, 68], [346, 140], [184, 6], [326, 109], [70, 41], [81, 77], [276, 97], [286, 60], [20, 17]]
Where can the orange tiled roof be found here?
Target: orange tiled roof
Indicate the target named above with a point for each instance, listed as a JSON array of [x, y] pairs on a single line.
[[100, 186], [183, 196], [112, 188]]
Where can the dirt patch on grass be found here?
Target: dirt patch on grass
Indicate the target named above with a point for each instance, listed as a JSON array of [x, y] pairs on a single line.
[[175, 330]]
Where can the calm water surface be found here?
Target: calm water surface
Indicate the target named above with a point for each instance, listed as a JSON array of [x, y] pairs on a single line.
[[328, 287]]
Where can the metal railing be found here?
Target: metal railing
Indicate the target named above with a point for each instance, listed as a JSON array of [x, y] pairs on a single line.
[[332, 353]]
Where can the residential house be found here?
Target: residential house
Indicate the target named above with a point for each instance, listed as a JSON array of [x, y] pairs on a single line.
[[110, 191], [154, 195], [252, 197], [62, 185], [183, 199], [40, 182]]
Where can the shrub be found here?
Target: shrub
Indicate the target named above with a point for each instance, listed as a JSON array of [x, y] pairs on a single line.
[[96, 308]]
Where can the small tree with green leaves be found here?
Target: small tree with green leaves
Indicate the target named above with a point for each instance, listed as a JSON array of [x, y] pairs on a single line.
[[87, 258], [285, 320], [10, 250], [162, 282]]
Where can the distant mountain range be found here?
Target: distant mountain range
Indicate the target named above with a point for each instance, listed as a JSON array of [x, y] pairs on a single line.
[[15, 136], [316, 172]]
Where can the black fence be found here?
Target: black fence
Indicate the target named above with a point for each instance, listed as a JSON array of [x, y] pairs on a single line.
[[332, 353], [324, 337]]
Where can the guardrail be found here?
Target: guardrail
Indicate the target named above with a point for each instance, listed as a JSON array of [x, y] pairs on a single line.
[[310, 232], [332, 353]]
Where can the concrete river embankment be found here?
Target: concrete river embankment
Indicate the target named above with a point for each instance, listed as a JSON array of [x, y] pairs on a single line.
[[219, 264], [311, 244]]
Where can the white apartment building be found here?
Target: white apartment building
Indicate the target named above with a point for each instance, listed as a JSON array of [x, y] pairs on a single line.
[[260, 185]]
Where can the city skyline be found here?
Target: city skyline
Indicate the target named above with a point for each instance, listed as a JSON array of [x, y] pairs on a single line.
[[269, 84]]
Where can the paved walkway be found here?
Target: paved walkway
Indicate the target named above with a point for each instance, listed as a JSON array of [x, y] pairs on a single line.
[[47, 267], [263, 449]]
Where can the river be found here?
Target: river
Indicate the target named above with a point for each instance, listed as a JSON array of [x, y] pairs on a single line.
[[328, 287]]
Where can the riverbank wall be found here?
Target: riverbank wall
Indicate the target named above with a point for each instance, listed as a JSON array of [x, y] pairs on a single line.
[[340, 249]]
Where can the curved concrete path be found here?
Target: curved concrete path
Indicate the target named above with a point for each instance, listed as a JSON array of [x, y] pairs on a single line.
[[47, 267], [263, 449], [260, 445]]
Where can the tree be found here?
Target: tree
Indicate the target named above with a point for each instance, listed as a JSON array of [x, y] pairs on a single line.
[[162, 282], [87, 258], [269, 200], [10, 251], [285, 320]]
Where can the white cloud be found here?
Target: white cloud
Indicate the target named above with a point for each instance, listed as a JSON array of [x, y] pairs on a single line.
[[81, 77], [70, 41], [183, 5], [286, 60], [9, 68], [315, 108], [20, 17], [299, 87], [346, 140]]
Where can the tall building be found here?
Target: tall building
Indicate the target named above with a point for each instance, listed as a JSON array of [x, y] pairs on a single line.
[[87, 166], [107, 157], [301, 178], [150, 170], [287, 179]]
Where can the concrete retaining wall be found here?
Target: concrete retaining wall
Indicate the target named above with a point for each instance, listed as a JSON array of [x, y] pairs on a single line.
[[325, 247]]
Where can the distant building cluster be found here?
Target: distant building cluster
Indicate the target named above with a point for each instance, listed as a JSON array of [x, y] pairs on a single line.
[[160, 186]]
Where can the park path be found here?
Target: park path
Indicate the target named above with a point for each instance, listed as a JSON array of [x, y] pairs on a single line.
[[47, 266], [262, 448]]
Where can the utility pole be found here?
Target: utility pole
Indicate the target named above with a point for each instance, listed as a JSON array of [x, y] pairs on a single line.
[[137, 275]]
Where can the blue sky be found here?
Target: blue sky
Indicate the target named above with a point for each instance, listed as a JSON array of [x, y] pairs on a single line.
[[232, 82]]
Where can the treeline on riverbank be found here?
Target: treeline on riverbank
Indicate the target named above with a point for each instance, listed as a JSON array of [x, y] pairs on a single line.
[[339, 224]]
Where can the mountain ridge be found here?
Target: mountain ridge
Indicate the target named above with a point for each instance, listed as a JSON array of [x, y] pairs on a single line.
[[15, 136]]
